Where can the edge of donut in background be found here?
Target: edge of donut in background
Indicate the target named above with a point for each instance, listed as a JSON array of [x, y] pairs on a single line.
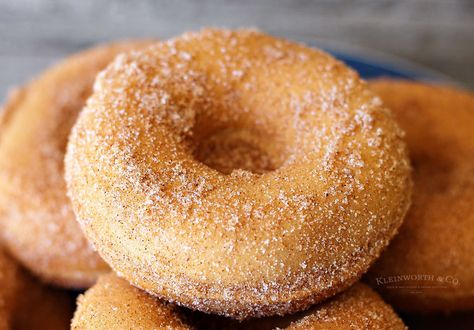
[[37, 222], [112, 302], [436, 239], [26, 304], [251, 244]]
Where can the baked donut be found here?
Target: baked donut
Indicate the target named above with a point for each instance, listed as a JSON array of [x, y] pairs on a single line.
[[26, 304], [112, 303], [430, 265], [357, 308], [322, 184], [37, 222]]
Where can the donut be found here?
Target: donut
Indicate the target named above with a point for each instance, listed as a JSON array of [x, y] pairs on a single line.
[[316, 183], [357, 308], [433, 252], [37, 223], [112, 303], [26, 304]]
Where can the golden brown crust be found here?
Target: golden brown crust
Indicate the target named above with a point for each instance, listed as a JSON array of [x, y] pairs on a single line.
[[7, 111], [37, 222], [26, 304], [430, 265], [357, 308], [112, 303], [328, 191]]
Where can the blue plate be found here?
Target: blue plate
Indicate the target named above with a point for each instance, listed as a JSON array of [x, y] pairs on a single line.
[[372, 69], [372, 64]]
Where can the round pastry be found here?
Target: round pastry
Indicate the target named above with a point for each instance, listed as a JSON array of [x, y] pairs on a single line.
[[236, 173], [112, 303], [26, 304], [37, 222], [357, 308], [430, 265]]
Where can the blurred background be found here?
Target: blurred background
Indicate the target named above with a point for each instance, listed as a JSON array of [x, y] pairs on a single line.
[[438, 34]]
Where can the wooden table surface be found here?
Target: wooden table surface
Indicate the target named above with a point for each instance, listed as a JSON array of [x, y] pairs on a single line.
[[436, 33]]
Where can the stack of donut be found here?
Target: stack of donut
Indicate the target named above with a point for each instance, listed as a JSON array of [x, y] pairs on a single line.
[[233, 180]]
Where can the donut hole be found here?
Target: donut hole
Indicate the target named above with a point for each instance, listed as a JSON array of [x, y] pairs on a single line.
[[232, 130], [231, 149]]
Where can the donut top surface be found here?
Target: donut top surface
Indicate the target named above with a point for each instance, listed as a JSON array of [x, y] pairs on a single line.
[[237, 173], [436, 239]]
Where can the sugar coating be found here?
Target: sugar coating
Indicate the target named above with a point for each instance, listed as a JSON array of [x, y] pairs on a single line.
[[436, 239], [357, 308], [243, 239], [112, 303], [37, 221]]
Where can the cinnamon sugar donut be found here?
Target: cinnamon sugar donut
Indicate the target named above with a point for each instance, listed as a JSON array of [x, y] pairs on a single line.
[[357, 308], [430, 265], [112, 303], [318, 187], [26, 304], [37, 222]]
